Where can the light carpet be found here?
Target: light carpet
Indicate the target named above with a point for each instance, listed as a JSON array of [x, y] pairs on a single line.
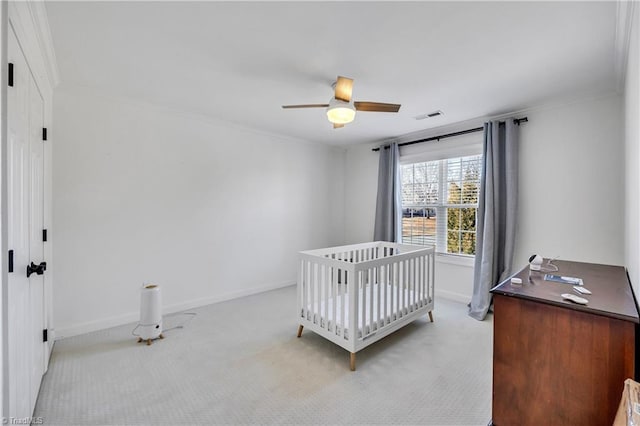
[[239, 362]]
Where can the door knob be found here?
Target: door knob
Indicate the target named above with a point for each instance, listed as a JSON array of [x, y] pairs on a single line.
[[38, 269]]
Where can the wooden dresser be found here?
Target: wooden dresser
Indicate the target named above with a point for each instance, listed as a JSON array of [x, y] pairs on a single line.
[[556, 362]]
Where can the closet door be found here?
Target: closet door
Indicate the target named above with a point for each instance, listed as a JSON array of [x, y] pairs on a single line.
[[36, 244], [24, 211]]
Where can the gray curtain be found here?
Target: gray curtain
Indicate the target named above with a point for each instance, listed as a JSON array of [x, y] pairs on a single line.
[[496, 227], [388, 225]]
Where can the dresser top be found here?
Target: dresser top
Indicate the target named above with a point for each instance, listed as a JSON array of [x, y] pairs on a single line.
[[612, 295]]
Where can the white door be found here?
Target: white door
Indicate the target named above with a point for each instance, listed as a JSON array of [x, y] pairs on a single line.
[[36, 244], [25, 195]]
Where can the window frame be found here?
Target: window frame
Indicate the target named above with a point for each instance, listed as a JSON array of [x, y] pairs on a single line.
[[465, 146]]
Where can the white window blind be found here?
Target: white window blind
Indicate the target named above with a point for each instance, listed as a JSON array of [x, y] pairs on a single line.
[[440, 202]]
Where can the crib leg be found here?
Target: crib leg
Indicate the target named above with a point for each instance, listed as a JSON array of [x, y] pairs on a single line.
[[352, 361], [300, 327], [431, 316]]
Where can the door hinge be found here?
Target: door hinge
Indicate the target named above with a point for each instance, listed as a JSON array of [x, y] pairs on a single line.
[[44, 133], [44, 235], [10, 260], [10, 74], [45, 335]]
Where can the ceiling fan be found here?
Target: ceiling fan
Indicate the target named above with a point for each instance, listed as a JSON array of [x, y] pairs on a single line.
[[341, 109]]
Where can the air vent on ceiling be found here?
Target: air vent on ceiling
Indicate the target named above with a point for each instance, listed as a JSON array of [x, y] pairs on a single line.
[[429, 115]]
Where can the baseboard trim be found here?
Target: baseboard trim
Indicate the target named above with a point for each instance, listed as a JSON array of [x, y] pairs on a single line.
[[456, 297], [102, 324]]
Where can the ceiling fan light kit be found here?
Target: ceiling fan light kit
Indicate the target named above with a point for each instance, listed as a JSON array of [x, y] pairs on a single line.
[[340, 112], [341, 109]]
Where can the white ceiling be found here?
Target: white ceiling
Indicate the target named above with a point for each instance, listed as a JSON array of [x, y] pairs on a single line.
[[240, 61]]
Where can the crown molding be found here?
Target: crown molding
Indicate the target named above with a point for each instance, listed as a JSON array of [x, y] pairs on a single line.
[[45, 40], [624, 23]]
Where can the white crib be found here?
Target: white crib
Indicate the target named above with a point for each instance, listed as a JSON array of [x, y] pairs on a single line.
[[355, 295]]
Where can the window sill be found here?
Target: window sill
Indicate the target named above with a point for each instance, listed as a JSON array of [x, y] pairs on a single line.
[[452, 259]]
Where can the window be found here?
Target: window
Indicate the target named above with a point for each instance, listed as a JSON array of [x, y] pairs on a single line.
[[440, 203]]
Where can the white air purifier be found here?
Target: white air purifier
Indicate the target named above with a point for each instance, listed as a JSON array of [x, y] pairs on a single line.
[[150, 325]]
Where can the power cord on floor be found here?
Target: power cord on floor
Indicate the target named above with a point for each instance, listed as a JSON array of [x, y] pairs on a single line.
[[191, 315], [133, 332]]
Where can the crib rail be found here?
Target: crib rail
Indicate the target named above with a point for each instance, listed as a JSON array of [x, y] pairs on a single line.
[[354, 295]]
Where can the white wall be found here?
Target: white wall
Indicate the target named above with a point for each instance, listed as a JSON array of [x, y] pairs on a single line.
[[571, 190], [207, 210], [572, 183], [632, 156], [361, 187]]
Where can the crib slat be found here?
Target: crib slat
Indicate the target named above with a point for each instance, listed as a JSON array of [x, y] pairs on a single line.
[[400, 278], [397, 288], [362, 289], [412, 277], [371, 311], [433, 277], [371, 283], [405, 285], [325, 298], [318, 278], [314, 295], [312, 292], [334, 298], [412, 274], [384, 292], [307, 287], [405, 288], [353, 309], [421, 295], [299, 290], [425, 293], [418, 283], [407, 292], [388, 293], [425, 284], [428, 266], [392, 286], [412, 284], [412, 295], [409, 286], [343, 288]]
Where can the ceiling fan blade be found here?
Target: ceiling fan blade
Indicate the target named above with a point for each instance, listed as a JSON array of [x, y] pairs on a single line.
[[376, 107], [344, 88], [337, 126], [305, 106]]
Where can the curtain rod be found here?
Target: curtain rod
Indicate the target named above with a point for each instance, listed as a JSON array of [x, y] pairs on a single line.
[[449, 135]]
